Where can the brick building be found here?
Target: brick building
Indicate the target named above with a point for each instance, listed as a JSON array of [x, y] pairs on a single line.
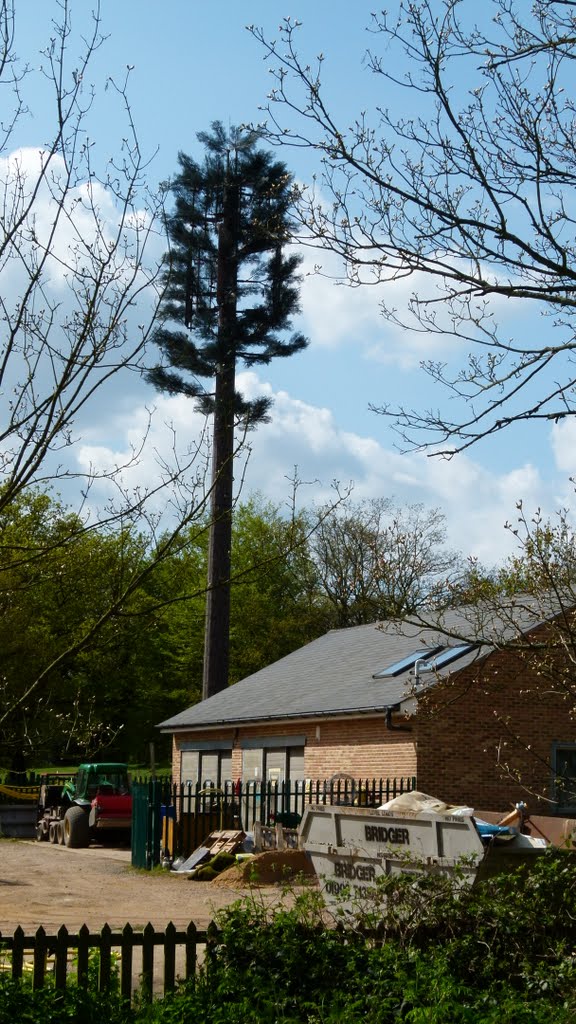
[[470, 712]]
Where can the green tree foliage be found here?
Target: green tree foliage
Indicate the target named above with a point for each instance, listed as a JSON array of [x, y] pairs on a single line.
[[231, 291], [176, 591], [57, 581], [83, 669], [102, 633], [196, 344], [276, 604], [76, 679]]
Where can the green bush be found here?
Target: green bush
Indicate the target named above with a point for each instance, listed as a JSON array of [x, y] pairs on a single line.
[[436, 951], [19, 1003], [503, 952]]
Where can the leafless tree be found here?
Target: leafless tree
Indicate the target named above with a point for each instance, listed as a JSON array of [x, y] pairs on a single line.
[[376, 560], [526, 607], [73, 234], [78, 292], [470, 193]]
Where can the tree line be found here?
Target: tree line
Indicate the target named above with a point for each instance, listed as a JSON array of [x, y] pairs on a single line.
[[102, 638]]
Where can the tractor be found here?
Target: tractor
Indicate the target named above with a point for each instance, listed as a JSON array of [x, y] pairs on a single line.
[[75, 810]]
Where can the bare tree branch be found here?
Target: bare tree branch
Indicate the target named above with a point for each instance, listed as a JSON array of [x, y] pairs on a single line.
[[471, 196]]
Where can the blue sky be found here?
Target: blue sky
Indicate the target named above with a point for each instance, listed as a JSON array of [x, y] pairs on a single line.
[[193, 63]]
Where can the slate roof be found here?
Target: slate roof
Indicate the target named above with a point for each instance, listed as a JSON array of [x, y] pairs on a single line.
[[334, 675]]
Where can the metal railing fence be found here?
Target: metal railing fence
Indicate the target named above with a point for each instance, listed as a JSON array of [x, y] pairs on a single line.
[[190, 812]]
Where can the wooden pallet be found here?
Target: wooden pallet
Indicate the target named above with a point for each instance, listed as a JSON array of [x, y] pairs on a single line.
[[223, 841], [274, 837]]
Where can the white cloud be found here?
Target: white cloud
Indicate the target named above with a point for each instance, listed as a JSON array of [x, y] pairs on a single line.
[[78, 226], [477, 502], [157, 455], [563, 441], [77, 299], [337, 314], [334, 312], [306, 437]]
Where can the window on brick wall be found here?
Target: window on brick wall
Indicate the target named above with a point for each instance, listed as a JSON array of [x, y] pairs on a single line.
[[272, 763], [252, 765], [208, 767], [564, 776]]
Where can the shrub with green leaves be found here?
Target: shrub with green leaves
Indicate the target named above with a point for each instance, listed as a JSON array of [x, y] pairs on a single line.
[[20, 1003], [427, 949], [501, 952]]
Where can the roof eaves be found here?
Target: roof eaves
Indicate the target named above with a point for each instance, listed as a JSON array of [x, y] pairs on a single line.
[[264, 719]]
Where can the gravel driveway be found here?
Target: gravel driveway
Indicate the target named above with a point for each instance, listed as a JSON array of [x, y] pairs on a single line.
[[47, 885]]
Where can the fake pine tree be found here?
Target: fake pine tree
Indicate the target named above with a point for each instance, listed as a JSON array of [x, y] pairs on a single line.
[[231, 290]]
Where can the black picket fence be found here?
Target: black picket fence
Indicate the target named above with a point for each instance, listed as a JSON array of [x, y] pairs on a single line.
[[173, 820], [105, 959]]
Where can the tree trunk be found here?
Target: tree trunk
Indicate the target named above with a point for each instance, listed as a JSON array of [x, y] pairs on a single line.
[[217, 634]]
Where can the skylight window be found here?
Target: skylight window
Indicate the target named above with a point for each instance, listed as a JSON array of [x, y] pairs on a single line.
[[408, 662], [445, 657]]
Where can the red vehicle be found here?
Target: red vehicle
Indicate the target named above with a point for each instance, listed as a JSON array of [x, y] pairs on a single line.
[[75, 810]]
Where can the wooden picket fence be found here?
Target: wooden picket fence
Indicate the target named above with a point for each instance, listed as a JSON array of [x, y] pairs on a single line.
[[55, 959]]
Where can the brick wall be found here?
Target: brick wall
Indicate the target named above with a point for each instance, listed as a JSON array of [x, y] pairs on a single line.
[[361, 747], [474, 732]]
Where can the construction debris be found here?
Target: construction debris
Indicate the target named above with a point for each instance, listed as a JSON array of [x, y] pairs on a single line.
[[224, 841], [274, 837]]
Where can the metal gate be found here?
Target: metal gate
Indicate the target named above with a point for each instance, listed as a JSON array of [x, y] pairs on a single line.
[[146, 823]]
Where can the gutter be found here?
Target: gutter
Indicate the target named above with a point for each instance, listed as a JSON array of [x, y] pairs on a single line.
[[391, 726], [306, 717]]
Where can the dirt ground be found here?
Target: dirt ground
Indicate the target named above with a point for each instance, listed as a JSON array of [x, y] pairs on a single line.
[[47, 885]]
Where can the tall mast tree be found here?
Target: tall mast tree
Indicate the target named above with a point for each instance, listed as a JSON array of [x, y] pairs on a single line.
[[231, 291]]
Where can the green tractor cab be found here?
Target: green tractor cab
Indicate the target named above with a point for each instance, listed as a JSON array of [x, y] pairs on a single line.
[[73, 810], [97, 779]]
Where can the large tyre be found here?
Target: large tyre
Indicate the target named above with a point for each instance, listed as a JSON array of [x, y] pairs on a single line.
[[60, 833], [53, 833], [41, 835], [76, 828]]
